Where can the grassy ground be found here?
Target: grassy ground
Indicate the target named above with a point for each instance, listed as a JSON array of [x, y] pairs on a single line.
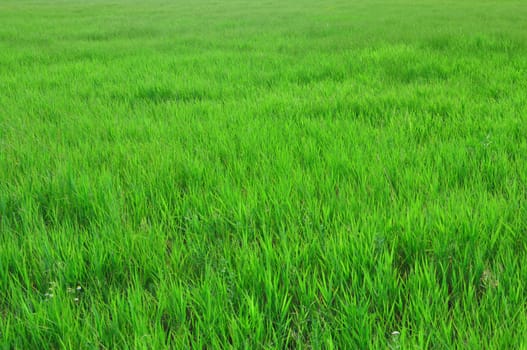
[[263, 174]]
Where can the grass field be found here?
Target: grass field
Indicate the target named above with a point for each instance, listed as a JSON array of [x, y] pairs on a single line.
[[263, 174]]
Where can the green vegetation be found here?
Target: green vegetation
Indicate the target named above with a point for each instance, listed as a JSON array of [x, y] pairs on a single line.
[[263, 174]]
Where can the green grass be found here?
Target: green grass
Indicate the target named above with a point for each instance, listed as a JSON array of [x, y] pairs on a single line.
[[263, 174]]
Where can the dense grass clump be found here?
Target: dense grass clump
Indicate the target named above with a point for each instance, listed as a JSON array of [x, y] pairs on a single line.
[[263, 174]]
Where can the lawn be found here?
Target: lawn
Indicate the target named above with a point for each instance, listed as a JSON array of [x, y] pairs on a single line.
[[278, 174]]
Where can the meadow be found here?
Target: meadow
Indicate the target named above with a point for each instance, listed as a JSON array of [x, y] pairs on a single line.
[[291, 174]]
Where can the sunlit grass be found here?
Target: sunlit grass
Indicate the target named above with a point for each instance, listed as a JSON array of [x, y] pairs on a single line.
[[280, 174]]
